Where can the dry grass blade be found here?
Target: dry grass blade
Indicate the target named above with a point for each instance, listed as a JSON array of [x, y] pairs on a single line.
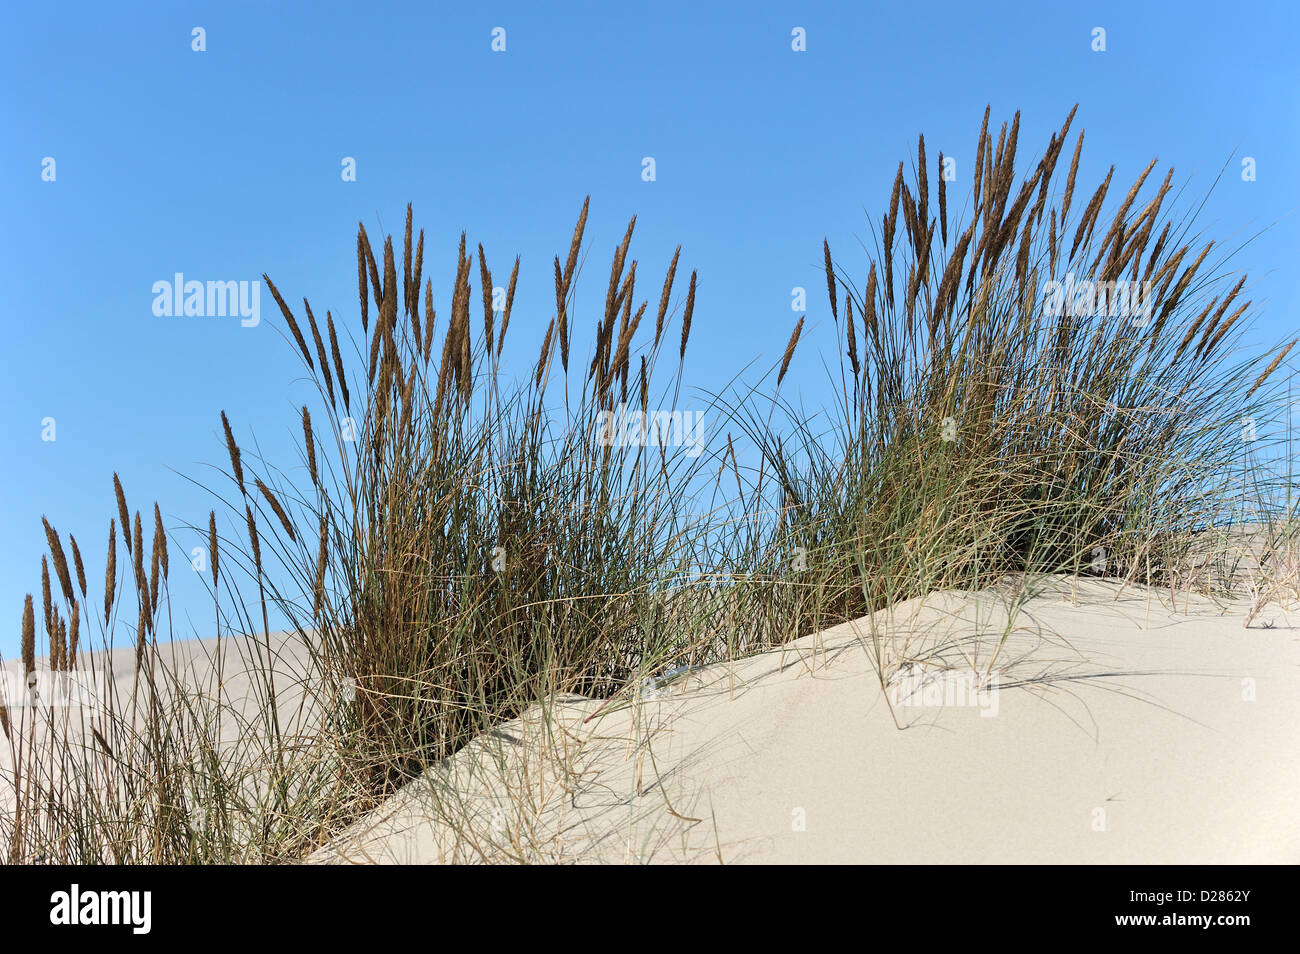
[[1007, 164], [830, 279], [665, 295], [74, 637], [485, 288], [231, 448], [546, 352], [376, 344], [414, 306], [980, 145], [510, 301], [445, 369], [612, 300], [212, 546], [1191, 331], [852, 336], [290, 321], [1117, 223], [141, 635], [1070, 179], [574, 245], [948, 283], [891, 224], [103, 744], [372, 267], [620, 257], [561, 315], [59, 648], [110, 573], [922, 183], [60, 560], [320, 350], [160, 536], [1156, 250], [388, 303], [789, 351], [310, 446], [1207, 349], [624, 300], [992, 166], [28, 645], [1271, 368], [155, 562], [322, 560], [1053, 246], [1184, 280], [338, 361], [47, 604], [76, 561], [1196, 325], [361, 278], [1165, 276], [429, 319], [122, 510], [943, 204], [1090, 212], [465, 370], [621, 355], [141, 580], [686, 318], [869, 320], [407, 293], [254, 542]]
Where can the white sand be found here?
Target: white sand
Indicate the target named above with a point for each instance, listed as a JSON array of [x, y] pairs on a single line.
[[1123, 733]]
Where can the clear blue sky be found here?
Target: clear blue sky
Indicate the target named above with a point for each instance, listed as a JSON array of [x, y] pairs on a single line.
[[226, 163]]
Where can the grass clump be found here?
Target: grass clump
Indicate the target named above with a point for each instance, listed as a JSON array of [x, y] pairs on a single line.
[[1030, 387], [460, 544]]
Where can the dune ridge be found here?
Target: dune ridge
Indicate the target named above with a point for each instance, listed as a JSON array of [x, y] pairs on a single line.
[[1123, 734]]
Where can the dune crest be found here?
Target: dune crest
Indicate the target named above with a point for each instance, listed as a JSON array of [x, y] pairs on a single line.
[[1124, 731]]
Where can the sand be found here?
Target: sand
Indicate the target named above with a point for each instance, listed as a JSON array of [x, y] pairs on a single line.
[[1121, 731], [1112, 728]]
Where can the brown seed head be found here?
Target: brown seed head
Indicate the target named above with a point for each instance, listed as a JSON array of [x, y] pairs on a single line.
[[28, 647], [686, 317], [789, 352], [110, 572], [212, 545]]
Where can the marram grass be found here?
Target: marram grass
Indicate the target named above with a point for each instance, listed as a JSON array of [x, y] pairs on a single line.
[[463, 544]]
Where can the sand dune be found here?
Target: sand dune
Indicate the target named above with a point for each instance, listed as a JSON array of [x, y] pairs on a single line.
[[1116, 729], [1111, 728]]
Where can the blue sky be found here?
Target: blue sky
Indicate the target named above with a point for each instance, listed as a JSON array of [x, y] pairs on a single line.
[[226, 163]]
